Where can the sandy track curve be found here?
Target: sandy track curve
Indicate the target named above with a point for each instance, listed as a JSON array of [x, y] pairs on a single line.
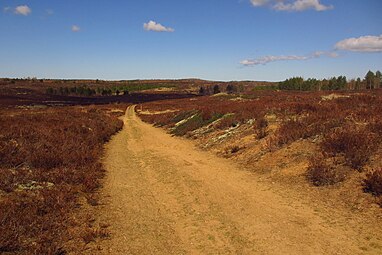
[[164, 196]]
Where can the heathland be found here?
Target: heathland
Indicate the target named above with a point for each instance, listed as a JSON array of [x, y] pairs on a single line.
[[289, 167]]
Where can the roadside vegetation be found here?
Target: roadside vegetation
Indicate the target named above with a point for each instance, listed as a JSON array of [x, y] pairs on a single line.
[[344, 128], [49, 170]]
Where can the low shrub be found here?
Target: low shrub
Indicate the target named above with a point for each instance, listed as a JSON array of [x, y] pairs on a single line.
[[356, 144], [322, 171], [373, 182], [47, 159], [227, 121], [289, 131]]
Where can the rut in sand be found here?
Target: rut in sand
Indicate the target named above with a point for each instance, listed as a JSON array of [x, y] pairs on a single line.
[[164, 196]]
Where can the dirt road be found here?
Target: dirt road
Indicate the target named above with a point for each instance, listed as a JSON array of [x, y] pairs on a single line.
[[164, 196]]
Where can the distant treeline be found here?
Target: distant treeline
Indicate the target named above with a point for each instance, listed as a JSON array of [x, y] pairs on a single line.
[[86, 90], [371, 81], [209, 90]]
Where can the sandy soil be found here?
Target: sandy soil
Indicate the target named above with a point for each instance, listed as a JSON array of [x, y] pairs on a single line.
[[162, 195]]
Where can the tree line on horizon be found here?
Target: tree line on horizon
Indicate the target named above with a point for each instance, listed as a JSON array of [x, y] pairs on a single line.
[[371, 81], [86, 90]]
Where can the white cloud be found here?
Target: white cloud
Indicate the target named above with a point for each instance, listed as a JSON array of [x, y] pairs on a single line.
[[6, 9], [156, 27], [76, 28], [367, 43], [292, 5], [269, 59], [259, 2], [23, 10], [302, 5]]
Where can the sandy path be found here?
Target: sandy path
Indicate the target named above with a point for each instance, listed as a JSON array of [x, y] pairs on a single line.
[[164, 196]]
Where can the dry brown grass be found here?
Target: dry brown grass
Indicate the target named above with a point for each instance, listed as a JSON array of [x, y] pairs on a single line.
[[48, 158], [261, 128]]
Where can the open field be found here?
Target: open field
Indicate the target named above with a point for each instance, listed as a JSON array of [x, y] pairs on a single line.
[[311, 161]]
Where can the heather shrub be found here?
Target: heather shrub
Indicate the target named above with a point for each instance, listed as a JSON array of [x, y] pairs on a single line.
[[227, 121], [289, 131], [356, 144], [47, 158], [376, 128], [373, 182], [322, 171]]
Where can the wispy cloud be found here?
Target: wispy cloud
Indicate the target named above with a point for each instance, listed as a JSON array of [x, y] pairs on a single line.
[[49, 12], [6, 9], [367, 43], [23, 10], [292, 5], [259, 2], [76, 28], [268, 59], [156, 27]]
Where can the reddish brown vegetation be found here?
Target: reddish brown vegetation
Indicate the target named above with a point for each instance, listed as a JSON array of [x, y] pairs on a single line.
[[323, 171], [373, 182], [356, 144], [48, 158], [261, 128], [347, 126]]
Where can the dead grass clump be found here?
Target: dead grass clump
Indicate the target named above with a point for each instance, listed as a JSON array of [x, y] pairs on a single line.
[[232, 149], [373, 182], [261, 128], [322, 171], [92, 234], [356, 144]]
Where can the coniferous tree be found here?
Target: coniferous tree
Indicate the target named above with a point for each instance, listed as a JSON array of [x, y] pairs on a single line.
[[370, 80]]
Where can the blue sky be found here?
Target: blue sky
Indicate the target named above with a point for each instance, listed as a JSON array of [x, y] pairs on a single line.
[[210, 39]]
